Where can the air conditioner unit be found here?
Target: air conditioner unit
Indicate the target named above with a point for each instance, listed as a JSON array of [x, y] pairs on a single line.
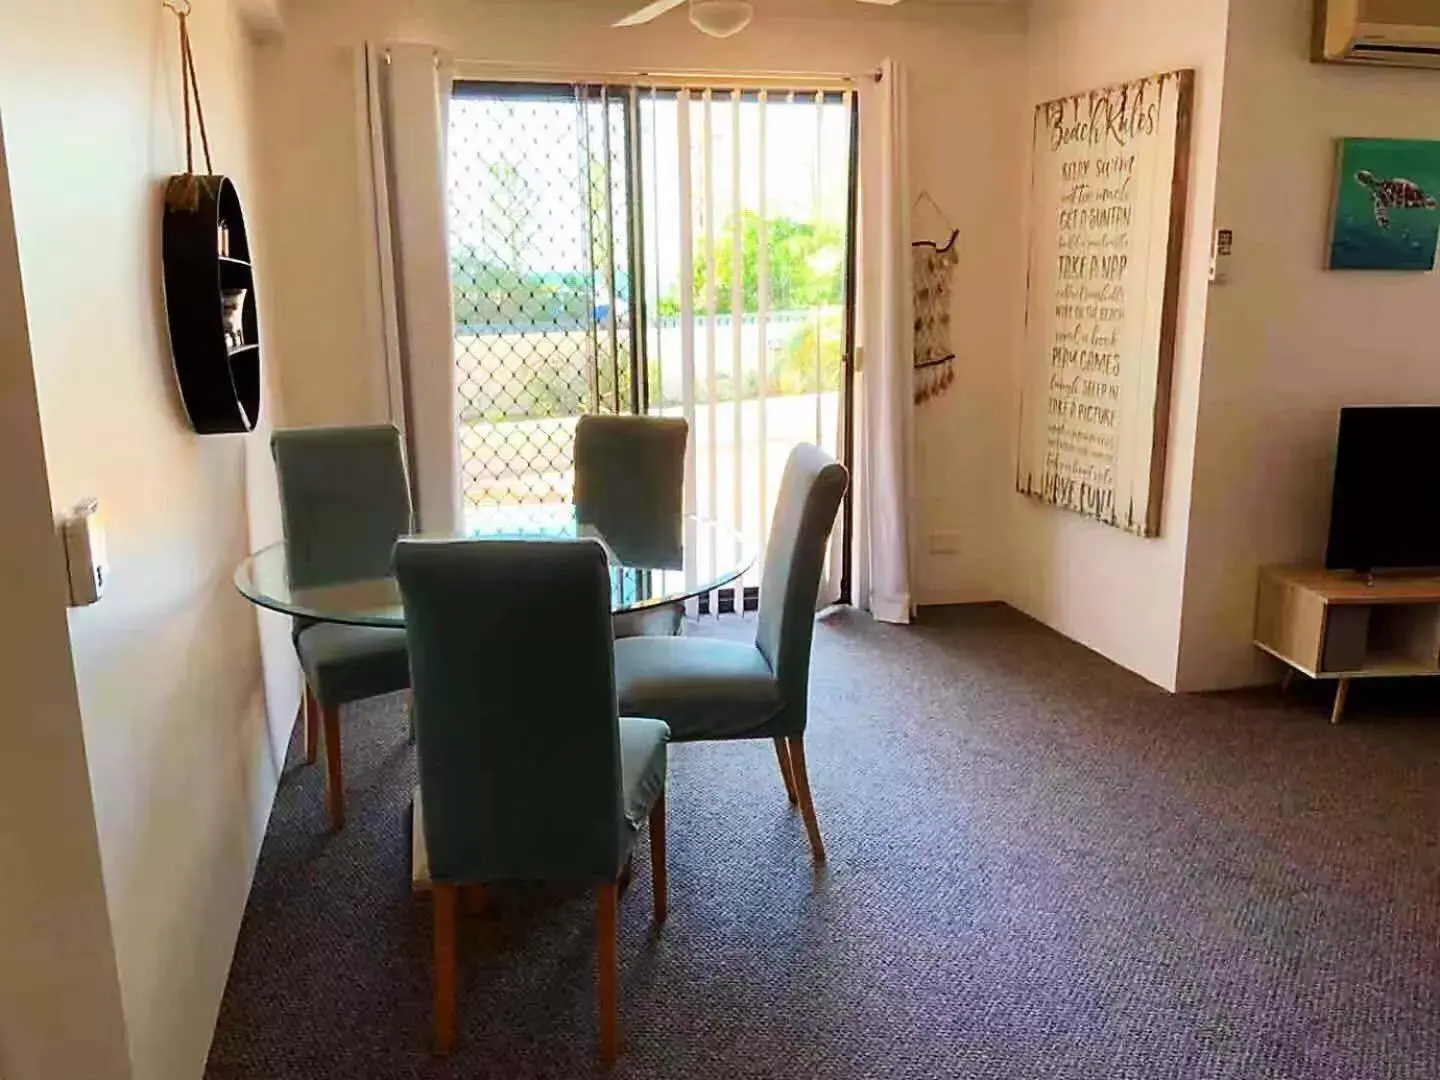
[[1399, 33]]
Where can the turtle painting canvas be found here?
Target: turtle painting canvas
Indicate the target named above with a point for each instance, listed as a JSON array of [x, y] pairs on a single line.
[[1387, 205]]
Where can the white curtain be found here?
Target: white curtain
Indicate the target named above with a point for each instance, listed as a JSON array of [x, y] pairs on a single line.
[[403, 126], [884, 457]]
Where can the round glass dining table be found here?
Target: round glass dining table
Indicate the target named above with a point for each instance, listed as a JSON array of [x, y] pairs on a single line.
[[709, 556]]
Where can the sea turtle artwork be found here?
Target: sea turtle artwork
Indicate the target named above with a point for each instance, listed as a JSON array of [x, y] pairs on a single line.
[[1386, 195], [1394, 194]]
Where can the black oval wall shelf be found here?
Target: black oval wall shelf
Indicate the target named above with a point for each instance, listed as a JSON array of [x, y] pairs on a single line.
[[206, 253]]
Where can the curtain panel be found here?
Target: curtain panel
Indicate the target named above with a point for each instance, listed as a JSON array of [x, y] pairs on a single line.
[[404, 124], [884, 461]]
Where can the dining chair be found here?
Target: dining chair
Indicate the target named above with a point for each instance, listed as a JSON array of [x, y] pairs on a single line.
[[344, 501], [706, 689], [527, 771], [629, 488]]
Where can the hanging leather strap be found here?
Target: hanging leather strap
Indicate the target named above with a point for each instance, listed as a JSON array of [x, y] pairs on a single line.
[[190, 84]]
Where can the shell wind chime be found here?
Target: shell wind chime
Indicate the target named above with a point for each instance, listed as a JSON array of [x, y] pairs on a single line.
[[934, 270]]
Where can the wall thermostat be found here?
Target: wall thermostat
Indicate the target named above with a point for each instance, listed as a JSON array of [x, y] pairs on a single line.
[[83, 529]]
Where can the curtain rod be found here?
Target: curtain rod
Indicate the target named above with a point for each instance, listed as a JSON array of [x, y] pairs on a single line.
[[799, 80]]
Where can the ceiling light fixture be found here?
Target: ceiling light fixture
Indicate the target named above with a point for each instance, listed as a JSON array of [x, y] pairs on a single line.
[[721, 18]]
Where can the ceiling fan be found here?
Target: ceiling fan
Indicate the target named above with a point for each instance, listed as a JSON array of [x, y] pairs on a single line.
[[718, 18]]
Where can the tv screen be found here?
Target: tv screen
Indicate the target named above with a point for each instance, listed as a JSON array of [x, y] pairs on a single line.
[[1385, 513]]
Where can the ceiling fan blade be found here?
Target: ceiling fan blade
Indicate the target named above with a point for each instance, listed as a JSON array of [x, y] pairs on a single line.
[[650, 12]]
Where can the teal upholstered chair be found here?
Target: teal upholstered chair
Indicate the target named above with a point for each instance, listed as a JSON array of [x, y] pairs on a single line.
[[630, 488], [630, 483], [708, 689], [344, 501], [526, 770]]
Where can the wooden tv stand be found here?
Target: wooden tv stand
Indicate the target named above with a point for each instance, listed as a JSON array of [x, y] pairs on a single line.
[[1334, 624]]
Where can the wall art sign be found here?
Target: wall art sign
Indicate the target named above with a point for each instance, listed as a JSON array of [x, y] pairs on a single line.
[[1107, 222]]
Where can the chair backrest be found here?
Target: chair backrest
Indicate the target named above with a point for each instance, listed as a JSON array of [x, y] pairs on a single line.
[[512, 664], [344, 501], [630, 484], [810, 492]]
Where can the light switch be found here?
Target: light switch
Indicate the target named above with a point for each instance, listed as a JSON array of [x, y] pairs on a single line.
[[1220, 256]]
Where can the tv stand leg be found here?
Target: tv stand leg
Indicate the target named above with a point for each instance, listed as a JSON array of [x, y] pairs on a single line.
[[1287, 680], [1342, 691]]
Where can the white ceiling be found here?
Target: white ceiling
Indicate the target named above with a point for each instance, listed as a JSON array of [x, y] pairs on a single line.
[[811, 6], [265, 14], [822, 8]]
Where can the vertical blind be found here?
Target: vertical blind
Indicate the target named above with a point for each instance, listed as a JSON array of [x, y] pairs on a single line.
[[761, 177]]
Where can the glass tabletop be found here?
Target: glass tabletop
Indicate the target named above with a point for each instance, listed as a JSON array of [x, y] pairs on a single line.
[[709, 555]]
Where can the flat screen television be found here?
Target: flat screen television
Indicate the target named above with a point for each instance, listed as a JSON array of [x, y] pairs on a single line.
[[1385, 511]]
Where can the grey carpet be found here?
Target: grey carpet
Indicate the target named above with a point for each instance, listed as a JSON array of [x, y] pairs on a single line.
[[1040, 866]]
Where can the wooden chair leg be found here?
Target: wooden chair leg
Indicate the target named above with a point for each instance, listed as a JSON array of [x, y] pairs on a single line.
[[312, 726], [607, 991], [783, 756], [444, 909], [334, 776], [657, 859], [800, 776], [302, 721], [472, 899]]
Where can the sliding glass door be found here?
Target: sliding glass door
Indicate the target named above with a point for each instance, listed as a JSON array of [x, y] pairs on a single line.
[[681, 252], [543, 288]]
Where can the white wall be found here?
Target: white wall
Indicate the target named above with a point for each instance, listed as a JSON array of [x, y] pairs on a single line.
[[60, 1010], [966, 66], [1289, 342], [1119, 594], [182, 760]]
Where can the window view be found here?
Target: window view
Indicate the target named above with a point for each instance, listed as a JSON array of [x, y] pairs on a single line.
[[541, 282], [597, 268]]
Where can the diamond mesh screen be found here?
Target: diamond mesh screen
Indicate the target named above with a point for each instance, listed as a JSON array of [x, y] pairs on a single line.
[[542, 281]]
